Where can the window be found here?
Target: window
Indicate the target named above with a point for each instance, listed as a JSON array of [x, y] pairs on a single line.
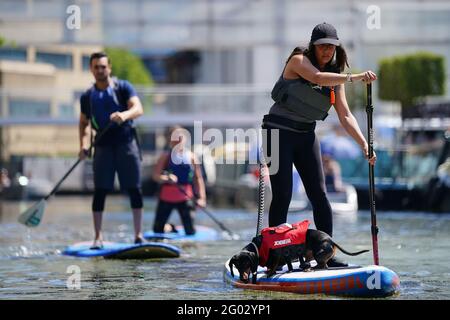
[[13, 7], [22, 108], [85, 63], [77, 95], [66, 111], [17, 54], [59, 60]]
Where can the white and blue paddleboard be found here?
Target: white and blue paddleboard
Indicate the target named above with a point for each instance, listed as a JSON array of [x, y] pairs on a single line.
[[202, 233], [113, 250], [369, 281]]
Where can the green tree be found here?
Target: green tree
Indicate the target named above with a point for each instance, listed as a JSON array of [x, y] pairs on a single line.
[[409, 78], [9, 43], [128, 66]]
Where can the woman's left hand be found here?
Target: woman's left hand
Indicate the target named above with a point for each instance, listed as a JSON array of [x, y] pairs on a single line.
[[366, 155], [201, 203]]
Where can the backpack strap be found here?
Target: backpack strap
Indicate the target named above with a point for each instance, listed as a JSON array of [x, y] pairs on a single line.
[[116, 91], [117, 96], [92, 121]]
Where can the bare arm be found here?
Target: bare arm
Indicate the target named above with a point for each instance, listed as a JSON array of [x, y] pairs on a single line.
[[134, 111], [199, 183], [349, 122], [157, 174], [300, 65], [84, 135], [134, 108]]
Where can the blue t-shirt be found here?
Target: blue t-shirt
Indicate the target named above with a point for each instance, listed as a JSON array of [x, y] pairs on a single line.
[[103, 104]]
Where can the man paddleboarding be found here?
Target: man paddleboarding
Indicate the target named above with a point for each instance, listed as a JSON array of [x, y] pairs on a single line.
[[109, 107]]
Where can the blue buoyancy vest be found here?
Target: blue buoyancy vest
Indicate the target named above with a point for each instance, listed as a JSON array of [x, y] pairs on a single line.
[[180, 164]]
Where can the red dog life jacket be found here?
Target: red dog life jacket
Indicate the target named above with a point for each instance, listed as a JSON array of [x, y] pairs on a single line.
[[281, 236]]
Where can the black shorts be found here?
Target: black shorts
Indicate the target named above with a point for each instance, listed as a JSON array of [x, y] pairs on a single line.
[[123, 159]]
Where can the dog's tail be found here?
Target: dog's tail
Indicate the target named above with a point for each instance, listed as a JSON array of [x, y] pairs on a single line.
[[349, 253]]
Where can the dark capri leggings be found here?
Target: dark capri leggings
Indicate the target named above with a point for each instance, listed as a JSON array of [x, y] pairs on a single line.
[[303, 150]]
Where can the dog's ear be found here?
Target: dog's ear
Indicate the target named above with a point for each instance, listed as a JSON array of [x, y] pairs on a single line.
[[231, 263]]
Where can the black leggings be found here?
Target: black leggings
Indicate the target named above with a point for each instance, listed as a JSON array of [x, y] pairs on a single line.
[[302, 150], [98, 203], [163, 211]]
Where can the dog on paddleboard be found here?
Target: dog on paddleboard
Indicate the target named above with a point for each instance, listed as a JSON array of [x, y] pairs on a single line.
[[315, 244]]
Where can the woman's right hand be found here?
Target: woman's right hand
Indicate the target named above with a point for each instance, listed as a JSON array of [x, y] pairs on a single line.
[[172, 179], [167, 177], [366, 77]]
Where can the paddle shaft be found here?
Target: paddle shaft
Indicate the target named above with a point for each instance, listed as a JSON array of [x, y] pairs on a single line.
[[374, 228], [32, 217], [220, 224], [62, 179]]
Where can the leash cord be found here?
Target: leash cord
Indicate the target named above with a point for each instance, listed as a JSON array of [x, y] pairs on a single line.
[[261, 193]]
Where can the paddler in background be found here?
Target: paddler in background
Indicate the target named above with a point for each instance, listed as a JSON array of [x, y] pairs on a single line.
[[332, 173], [182, 184]]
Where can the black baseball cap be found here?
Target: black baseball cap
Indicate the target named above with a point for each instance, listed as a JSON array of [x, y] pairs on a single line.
[[325, 33]]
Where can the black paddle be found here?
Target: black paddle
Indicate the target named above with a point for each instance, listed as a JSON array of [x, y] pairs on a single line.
[[33, 216], [374, 228]]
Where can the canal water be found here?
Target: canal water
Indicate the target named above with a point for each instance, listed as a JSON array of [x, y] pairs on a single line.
[[416, 245]]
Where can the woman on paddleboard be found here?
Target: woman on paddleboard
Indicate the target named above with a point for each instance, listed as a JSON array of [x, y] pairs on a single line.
[[310, 84], [181, 181]]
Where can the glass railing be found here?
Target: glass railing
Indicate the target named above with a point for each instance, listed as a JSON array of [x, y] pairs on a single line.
[[403, 167], [163, 105]]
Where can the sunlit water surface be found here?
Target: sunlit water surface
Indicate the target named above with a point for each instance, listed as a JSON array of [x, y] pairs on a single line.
[[415, 245]]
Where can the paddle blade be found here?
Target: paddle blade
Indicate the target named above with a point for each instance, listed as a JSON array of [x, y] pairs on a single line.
[[32, 217]]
